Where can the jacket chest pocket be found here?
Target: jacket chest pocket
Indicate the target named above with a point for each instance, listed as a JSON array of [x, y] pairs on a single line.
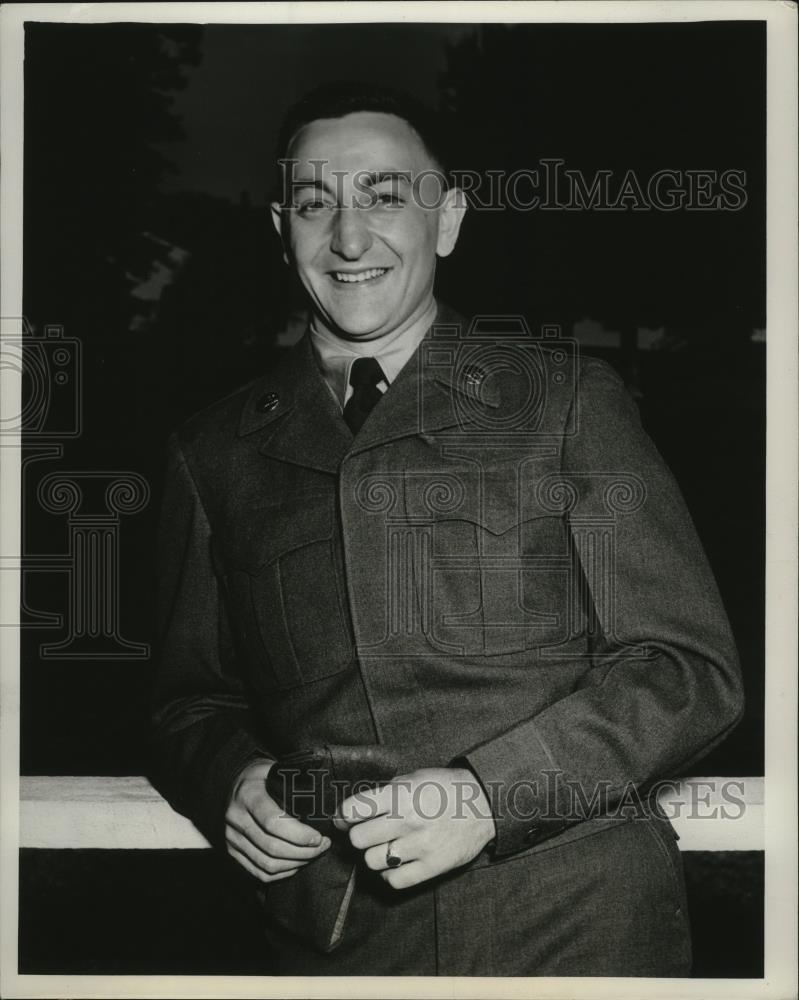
[[499, 593], [497, 577], [284, 585]]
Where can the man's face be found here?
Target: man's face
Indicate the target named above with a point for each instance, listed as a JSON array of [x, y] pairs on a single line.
[[362, 231]]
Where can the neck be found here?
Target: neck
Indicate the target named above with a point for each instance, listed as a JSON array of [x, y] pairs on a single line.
[[423, 316]]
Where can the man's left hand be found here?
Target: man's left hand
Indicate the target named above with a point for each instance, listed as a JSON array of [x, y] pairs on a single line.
[[434, 820]]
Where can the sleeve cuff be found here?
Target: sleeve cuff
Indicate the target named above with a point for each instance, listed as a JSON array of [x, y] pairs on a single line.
[[206, 761], [524, 788], [238, 752]]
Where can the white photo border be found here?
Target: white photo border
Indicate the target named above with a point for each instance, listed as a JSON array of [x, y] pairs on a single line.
[[780, 979]]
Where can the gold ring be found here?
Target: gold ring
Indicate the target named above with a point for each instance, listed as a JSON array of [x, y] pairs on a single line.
[[392, 860]]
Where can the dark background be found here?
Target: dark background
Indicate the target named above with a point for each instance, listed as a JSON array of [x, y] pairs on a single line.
[[146, 236]]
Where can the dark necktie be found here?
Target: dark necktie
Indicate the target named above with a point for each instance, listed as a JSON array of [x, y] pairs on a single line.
[[365, 373]]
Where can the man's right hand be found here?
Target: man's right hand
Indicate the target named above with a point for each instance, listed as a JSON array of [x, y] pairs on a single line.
[[265, 840]]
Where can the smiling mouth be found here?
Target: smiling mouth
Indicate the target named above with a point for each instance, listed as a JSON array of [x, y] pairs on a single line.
[[358, 277]]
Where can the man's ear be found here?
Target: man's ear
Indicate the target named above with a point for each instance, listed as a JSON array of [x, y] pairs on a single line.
[[450, 218], [281, 227]]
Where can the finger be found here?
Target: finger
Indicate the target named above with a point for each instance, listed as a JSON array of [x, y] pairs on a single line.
[[267, 864], [276, 847], [366, 805], [257, 857], [406, 875], [405, 848], [378, 831], [285, 827], [248, 866]]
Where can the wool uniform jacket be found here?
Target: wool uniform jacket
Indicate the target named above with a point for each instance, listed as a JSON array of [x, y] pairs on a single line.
[[497, 572]]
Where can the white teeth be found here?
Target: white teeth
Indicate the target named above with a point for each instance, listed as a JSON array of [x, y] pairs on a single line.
[[350, 278]]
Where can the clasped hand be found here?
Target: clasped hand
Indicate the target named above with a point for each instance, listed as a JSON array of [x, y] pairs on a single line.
[[435, 819]]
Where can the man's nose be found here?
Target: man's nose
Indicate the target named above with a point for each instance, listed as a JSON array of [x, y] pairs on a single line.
[[351, 237]]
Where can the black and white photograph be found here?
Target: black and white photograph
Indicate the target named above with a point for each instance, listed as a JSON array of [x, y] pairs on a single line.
[[399, 493]]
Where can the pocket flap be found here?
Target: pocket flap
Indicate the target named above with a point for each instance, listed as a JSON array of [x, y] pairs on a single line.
[[496, 494], [259, 537]]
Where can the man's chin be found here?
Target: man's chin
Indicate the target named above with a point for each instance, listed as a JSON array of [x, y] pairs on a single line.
[[361, 325]]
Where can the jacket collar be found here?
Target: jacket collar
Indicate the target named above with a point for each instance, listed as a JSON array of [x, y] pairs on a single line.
[[301, 423], [295, 414]]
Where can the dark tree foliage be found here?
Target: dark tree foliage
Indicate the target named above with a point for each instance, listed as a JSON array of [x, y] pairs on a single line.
[[218, 320], [97, 101], [620, 98]]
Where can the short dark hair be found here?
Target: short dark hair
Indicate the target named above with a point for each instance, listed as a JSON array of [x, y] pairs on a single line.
[[345, 97]]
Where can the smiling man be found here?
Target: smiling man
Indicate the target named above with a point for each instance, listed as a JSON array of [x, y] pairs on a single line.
[[361, 238], [435, 570]]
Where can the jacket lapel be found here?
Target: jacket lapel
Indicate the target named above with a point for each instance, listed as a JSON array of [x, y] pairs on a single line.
[[431, 393], [298, 421], [295, 416]]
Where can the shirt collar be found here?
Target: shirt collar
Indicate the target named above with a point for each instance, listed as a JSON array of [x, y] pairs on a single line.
[[335, 356]]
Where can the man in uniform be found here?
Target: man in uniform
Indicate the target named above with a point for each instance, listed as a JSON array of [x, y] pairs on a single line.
[[449, 543]]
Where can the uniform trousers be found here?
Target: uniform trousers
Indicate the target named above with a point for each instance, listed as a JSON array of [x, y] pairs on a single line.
[[609, 903]]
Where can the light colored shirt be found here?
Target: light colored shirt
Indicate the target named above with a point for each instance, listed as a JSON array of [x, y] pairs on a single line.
[[392, 352]]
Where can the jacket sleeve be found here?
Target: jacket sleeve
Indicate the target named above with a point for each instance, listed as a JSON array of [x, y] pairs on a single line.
[[664, 685], [202, 730]]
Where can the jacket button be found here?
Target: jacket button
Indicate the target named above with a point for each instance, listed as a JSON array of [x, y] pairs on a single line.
[[531, 834], [267, 402]]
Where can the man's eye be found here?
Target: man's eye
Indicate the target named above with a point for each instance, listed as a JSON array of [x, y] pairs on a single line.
[[311, 207], [390, 198]]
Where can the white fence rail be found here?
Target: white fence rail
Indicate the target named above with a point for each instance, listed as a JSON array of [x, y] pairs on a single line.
[[709, 814]]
